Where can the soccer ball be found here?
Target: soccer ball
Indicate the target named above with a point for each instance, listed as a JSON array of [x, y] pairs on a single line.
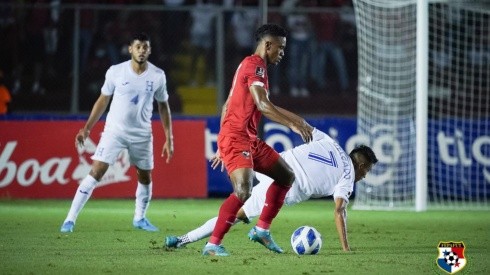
[[306, 240]]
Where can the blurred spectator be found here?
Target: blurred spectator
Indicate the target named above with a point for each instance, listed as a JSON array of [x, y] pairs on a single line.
[[276, 72], [299, 44], [173, 3], [173, 26], [88, 21], [42, 44], [109, 48], [5, 97], [12, 36], [202, 39], [51, 37], [328, 30], [244, 23], [115, 35]]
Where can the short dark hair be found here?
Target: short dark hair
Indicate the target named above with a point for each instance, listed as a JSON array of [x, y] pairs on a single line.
[[139, 36], [270, 29], [366, 152]]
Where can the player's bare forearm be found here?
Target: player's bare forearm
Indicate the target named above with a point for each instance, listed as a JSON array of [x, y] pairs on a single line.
[[299, 126], [166, 119], [269, 110], [292, 116], [340, 215], [97, 110]]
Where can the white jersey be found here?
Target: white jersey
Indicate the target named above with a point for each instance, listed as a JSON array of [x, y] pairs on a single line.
[[321, 167], [132, 102]]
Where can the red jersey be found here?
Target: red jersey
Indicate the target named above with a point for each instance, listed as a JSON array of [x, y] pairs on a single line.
[[242, 116]]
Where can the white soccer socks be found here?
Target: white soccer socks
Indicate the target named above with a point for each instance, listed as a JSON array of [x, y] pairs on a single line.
[[143, 197], [83, 193]]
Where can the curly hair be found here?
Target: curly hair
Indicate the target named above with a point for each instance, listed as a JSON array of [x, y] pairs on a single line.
[[139, 36], [366, 152], [270, 29]]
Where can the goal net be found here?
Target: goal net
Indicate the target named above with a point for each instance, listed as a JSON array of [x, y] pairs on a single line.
[[458, 152]]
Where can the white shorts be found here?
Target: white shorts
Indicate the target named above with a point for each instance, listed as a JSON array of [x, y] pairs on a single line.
[[253, 206], [110, 146]]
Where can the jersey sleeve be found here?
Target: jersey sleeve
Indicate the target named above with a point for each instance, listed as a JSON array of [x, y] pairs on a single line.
[[109, 83], [344, 189], [161, 95], [318, 135], [255, 73]]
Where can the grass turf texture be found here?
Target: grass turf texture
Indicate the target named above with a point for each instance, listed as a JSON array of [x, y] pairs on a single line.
[[104, 241]]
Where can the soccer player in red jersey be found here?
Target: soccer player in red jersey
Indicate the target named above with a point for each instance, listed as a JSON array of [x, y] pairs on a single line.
[[242, 152]]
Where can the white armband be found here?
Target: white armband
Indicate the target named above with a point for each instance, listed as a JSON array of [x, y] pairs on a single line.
[[258, 83]]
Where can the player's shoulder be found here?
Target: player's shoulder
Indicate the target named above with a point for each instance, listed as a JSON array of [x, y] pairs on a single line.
[[118, 68], [319, 135], [156, 71], [253, 65], [254, 59], [153, 68], [124, 64]]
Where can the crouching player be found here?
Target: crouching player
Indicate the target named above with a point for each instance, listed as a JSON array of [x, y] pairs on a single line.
[[322, 169]]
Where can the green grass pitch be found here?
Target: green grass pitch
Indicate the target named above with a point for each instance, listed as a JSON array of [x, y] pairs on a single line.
[[104, 241]]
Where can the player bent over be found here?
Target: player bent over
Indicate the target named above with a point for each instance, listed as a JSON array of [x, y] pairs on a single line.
[[322, 169]]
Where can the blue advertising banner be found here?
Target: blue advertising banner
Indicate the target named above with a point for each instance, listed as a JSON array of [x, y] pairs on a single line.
[[459, 162], [459, 158]]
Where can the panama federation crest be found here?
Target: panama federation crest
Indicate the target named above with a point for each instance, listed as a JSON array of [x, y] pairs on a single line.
[[451, 256]]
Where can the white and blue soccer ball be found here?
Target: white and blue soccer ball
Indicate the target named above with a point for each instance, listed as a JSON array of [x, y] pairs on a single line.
[[306, 240]]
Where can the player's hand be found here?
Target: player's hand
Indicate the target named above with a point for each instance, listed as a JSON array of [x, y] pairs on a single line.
[[216, 160], [168, 150], [81, 137], [303, 129]]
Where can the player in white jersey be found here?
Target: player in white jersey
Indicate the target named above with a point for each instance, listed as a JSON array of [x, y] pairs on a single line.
[[133, 86], [322, 169]]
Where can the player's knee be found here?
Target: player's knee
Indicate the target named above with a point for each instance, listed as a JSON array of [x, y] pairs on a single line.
[[290, 178], [243, 195], [98, 170], [144, 176], [97, 173], [144, 179]]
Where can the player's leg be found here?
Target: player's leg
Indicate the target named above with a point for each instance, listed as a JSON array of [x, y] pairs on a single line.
[[143, 193], [242, 181], [274, 199], [254, 205], [105, 154], [142, 201], [141, 155], [236, 155], [194, 235], [271, 164], [249, 210], [83, 193]]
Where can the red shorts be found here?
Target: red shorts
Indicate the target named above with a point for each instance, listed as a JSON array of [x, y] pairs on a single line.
[[238, 152]]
